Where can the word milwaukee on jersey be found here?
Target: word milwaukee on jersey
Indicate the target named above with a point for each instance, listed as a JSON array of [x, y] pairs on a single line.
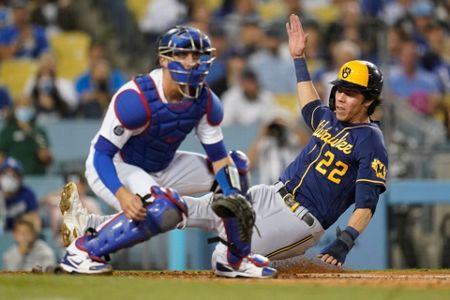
[[323, 133]]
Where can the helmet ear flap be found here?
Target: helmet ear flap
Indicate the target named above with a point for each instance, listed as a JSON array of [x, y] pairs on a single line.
[[332, 101]]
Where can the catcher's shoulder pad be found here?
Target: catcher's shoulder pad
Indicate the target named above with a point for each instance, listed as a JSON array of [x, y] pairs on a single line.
[[131, 111]]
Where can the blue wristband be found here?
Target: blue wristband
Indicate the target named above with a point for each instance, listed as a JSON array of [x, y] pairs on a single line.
[[352, 231], [301, 70]]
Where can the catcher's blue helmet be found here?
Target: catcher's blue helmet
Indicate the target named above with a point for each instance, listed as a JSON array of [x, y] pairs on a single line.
[[187, 39]]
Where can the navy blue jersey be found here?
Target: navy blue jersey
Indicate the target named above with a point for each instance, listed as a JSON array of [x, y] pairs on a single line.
[[21, 203], [341, 165]]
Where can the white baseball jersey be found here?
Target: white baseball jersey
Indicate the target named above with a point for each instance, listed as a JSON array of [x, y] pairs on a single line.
[[187, 173]]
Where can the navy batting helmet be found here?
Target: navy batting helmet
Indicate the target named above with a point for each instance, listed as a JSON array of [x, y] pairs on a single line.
[[187, 39], [361, 76]]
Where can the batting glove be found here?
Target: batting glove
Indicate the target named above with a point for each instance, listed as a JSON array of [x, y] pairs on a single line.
[[340, 247]]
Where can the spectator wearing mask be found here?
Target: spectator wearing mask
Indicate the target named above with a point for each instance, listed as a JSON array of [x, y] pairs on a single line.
[[20, 200], [53, 97], [25, 140]]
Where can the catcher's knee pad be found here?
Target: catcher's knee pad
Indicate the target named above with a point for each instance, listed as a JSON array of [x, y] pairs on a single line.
[[163, 214]]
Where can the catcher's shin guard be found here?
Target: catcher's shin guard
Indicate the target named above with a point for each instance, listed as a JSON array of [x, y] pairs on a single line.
[[163, 214], [237, 248]]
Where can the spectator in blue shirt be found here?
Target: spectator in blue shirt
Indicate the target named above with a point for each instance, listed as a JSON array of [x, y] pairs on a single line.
[[5, 103], [96, 85], [408, 81], [22, 39], [20, 200]]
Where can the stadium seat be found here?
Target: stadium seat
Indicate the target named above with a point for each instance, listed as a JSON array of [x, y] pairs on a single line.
[[70, 141], [6, 241], [288, 102], [138, 8], [44, 184], [14, 74], [270, 10], [213, 4], [442, 165], [236, 137], [71, 51], [326, 13], [47, 236]]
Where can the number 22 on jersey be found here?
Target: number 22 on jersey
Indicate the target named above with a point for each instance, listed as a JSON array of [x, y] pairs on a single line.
[[335, 170]]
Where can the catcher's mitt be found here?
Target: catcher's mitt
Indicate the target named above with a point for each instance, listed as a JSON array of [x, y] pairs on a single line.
[[235, 206]]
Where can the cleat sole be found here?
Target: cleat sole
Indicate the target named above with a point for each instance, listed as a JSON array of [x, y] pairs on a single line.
[[64, 204]]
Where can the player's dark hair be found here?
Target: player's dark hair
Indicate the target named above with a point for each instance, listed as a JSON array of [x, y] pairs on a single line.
[[376, 102]]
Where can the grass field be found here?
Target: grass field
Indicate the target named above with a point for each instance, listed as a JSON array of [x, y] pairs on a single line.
[[201, 285]]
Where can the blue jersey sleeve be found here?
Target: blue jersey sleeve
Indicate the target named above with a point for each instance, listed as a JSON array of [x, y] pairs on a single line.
[[215, 151], [372, 170], [214, 109], [131, 109], [367, 195], [313, 112], [103, 164]]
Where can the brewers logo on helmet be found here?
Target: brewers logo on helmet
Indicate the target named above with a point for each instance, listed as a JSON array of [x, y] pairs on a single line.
[[361, 76]]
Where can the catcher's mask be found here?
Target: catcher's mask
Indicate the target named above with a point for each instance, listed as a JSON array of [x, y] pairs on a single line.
[[187, 39], [361, 76]]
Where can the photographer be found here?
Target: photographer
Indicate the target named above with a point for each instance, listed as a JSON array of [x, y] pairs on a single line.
[[276, 145]]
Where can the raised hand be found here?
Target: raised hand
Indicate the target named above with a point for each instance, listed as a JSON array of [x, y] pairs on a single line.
[[296, 36]]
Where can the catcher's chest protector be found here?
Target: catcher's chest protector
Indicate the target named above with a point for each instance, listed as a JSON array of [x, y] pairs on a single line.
[[155, 148]]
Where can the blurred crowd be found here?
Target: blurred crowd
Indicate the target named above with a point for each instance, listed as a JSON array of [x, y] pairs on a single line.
[[253, 73]]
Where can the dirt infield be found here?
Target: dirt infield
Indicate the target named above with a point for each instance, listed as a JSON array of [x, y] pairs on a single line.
[[415, 278], [315, 272]]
